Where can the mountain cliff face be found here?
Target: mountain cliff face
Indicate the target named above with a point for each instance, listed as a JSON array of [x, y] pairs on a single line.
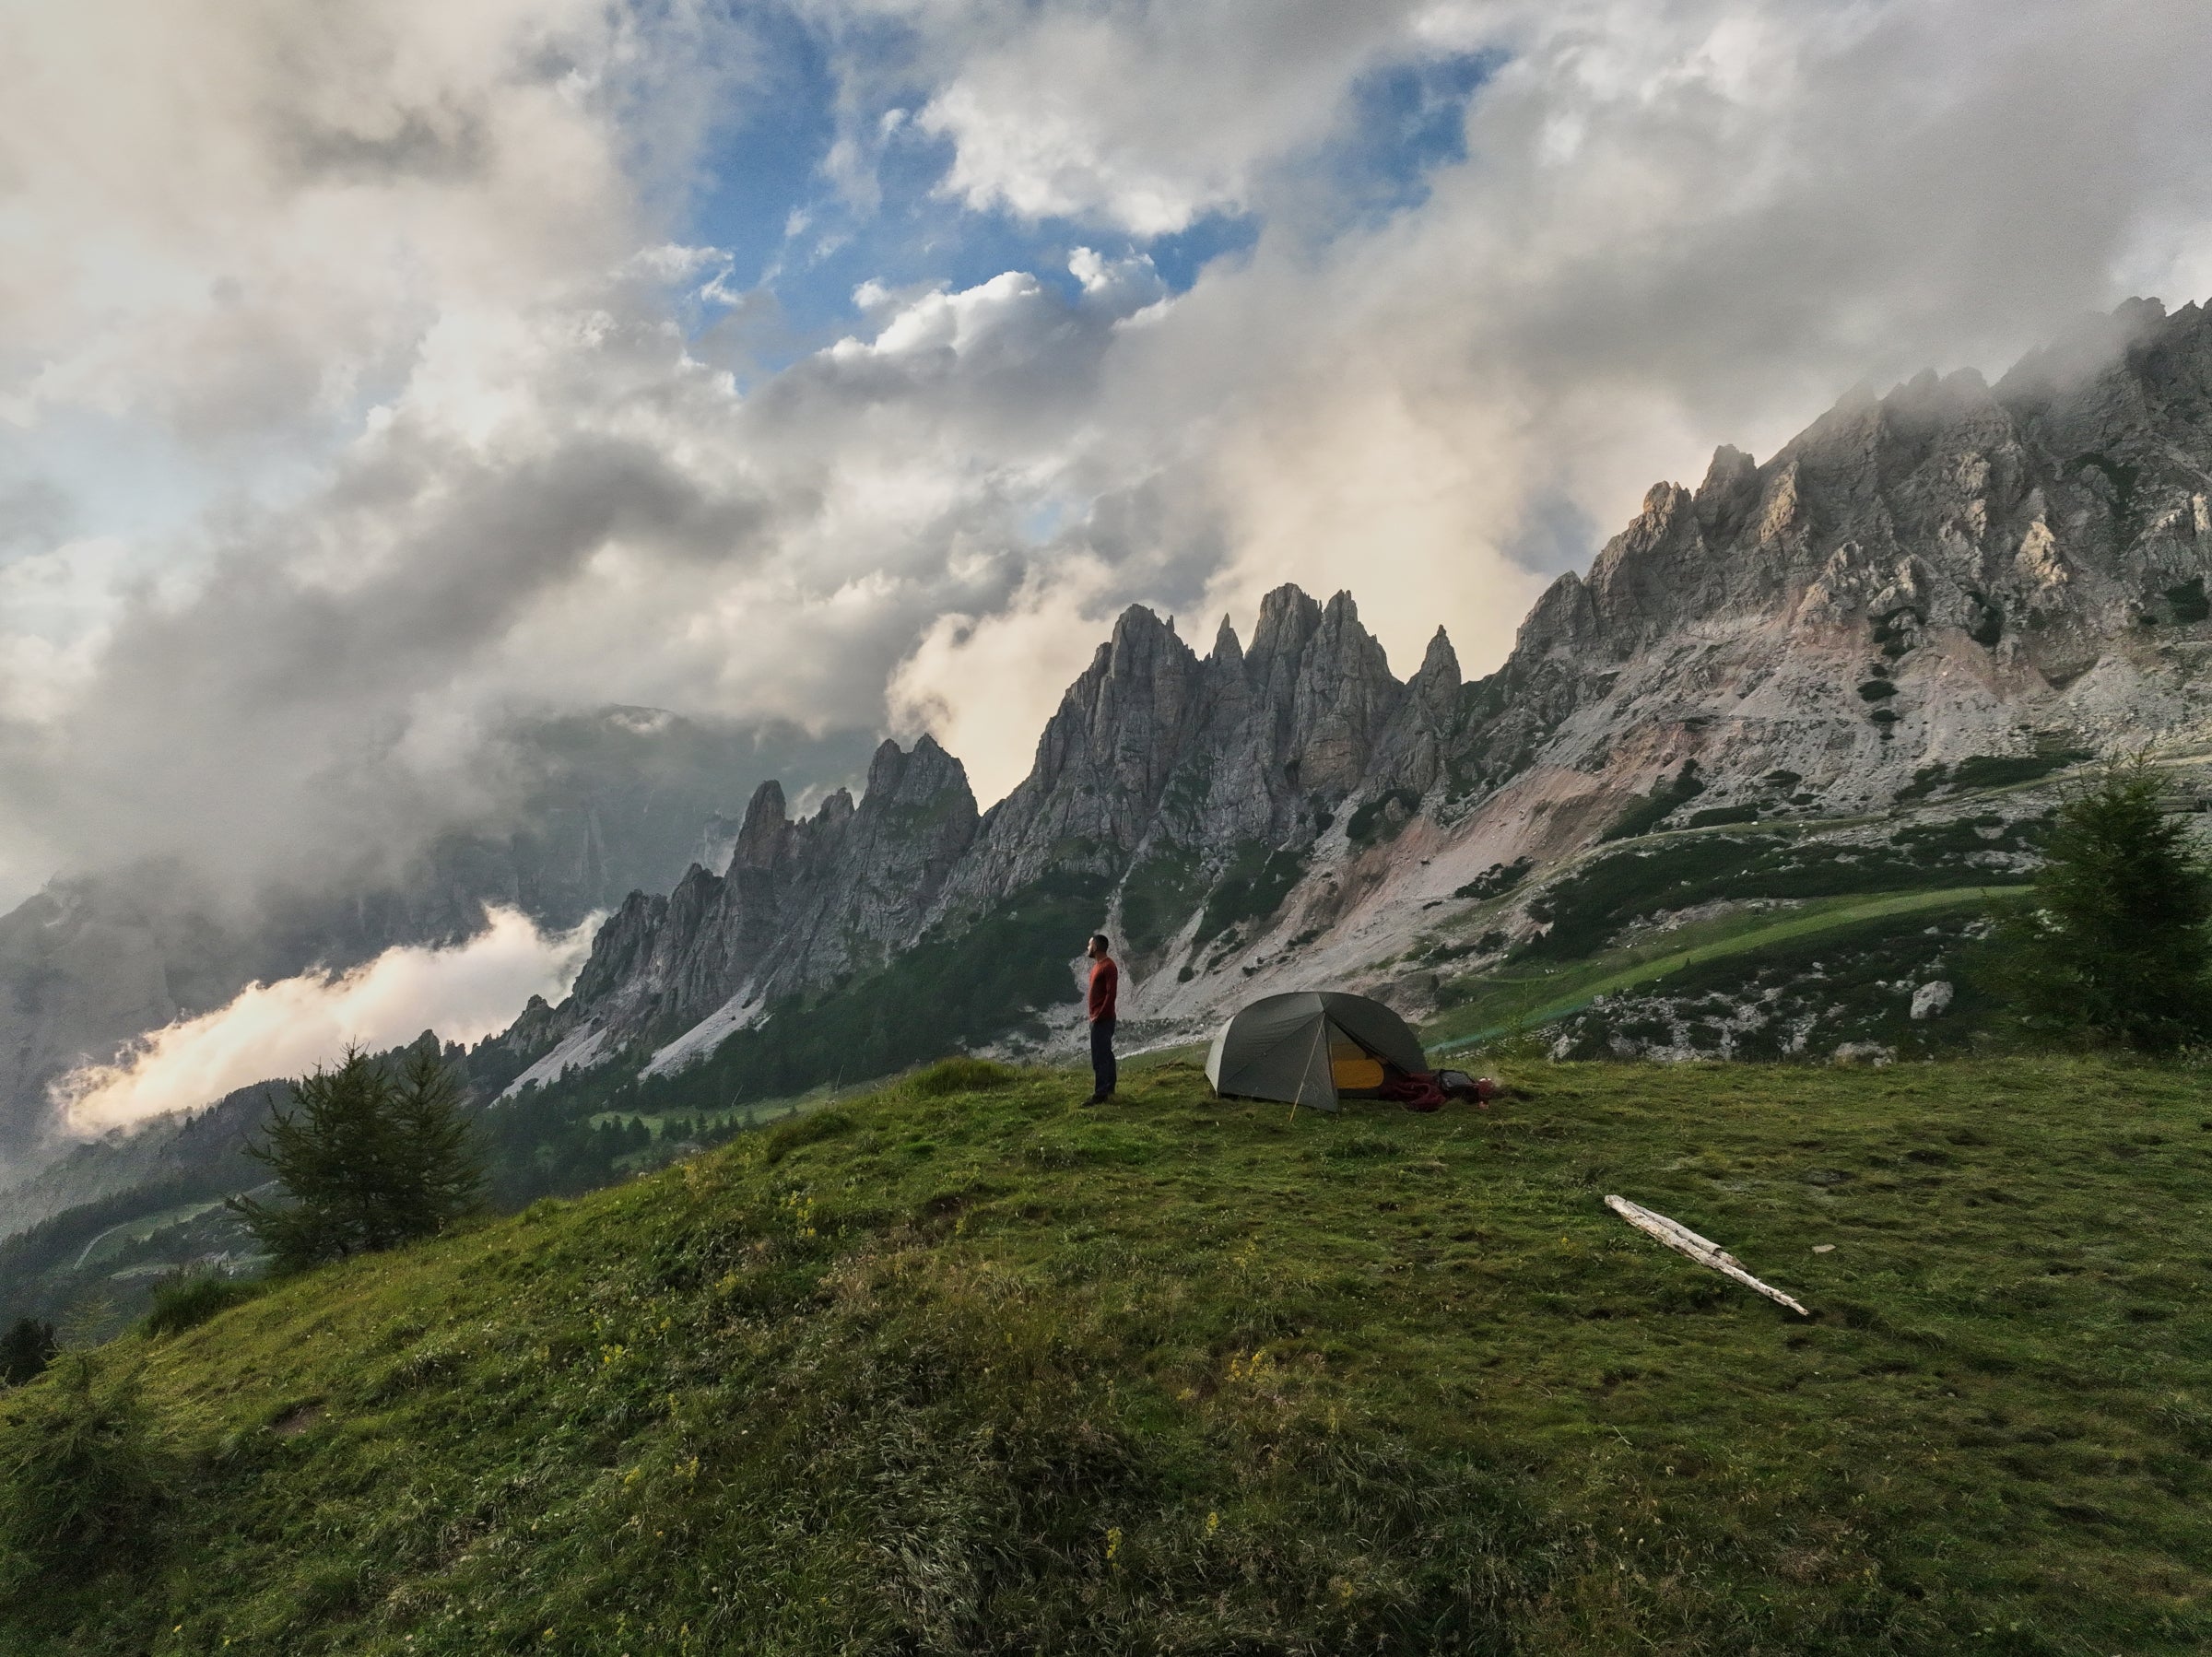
[[800, 904], [1952, 571], [2023, 557]]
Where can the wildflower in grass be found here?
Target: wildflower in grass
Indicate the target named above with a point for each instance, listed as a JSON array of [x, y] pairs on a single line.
[[1113, 1543], [1259, 1367], [1213, 1523]]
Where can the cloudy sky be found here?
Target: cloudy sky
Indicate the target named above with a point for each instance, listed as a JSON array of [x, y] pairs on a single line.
[[370, 373]]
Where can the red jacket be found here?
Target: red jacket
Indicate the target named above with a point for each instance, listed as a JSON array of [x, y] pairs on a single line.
[[1105, 977]]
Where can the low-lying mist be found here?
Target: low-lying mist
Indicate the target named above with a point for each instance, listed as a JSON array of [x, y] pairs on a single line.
[[285, 1029]]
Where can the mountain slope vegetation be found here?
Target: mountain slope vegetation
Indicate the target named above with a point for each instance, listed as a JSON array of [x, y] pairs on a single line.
[[956, 1367]]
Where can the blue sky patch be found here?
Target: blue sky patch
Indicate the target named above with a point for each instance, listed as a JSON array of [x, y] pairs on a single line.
[[1403, 120], [799, 247]]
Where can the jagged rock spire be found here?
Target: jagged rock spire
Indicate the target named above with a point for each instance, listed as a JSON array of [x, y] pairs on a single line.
[[767, 827], [1437, 681]]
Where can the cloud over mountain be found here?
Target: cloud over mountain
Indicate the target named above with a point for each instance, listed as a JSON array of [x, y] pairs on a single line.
[[368, 375], [297, 1025]]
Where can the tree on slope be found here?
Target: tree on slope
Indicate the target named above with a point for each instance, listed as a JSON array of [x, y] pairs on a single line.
[[368, 1161], [25, 1351], [2117, 946]]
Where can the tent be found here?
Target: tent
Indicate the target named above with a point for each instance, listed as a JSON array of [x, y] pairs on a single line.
[[1311, 1047]]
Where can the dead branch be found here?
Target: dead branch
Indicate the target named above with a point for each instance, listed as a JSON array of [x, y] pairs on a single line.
[[1706, 1252]]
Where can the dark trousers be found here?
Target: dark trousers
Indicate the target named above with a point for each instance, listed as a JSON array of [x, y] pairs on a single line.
[[1103, 1074]]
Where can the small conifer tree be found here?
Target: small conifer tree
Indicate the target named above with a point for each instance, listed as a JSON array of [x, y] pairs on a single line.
[[368, 1161], [26, 1349], [87, 1469], [2115, 949], [441, 1174]]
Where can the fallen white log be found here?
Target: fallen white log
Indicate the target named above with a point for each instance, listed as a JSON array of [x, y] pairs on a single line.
[[1683, 1241]]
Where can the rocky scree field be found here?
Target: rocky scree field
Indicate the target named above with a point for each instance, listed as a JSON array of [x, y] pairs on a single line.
[[1794, 942], [1916, 985], [956, 1367]]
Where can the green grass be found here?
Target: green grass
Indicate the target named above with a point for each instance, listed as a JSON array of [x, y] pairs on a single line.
[[1801, 999], [141, 1227], [1158, 896], [1596, 898], [1251, 889], [185, 1300], [1510, 998], [982, 1373]]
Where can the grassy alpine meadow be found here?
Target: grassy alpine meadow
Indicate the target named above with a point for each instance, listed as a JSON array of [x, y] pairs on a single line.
[[956, 1366]]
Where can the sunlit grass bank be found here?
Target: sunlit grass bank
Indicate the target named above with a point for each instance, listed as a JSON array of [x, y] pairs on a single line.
[[1524, 995], [957, 1367]]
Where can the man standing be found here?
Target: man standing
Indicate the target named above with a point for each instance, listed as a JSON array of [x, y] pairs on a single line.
[[1105, 977]]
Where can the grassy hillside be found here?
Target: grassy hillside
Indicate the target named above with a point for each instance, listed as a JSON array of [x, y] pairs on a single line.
[[947, 1371], [1520, 995], [1807, 995], [1597, 897]]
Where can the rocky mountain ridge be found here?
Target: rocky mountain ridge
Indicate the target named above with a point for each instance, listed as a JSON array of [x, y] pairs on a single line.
[[1950, 572]]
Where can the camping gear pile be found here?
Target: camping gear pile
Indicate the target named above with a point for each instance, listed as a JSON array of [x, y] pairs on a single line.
[[1317, 1048]]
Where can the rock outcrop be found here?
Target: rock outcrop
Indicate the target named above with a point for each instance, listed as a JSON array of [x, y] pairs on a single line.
[[801, 904]]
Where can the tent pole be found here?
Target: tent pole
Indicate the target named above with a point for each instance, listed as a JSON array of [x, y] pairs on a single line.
[[1321, 1040]]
